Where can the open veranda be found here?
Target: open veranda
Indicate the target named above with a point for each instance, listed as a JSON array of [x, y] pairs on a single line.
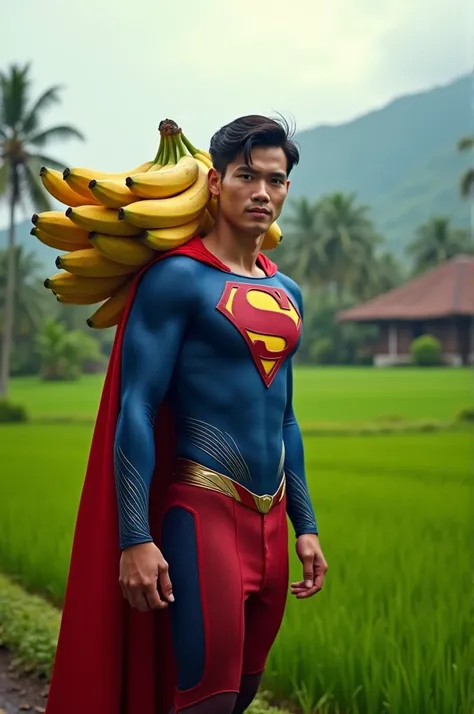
[[390, 632]]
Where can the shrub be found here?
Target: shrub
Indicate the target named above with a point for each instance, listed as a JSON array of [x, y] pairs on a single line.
[[64, 353], [12, 412], [29, 628], [322, 350], [426, 351], [466, 414]]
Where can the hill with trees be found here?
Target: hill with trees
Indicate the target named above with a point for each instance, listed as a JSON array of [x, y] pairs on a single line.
[[401, 160]]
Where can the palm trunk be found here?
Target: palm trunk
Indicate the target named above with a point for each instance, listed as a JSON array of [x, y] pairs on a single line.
[[7, 337], [337, 334]]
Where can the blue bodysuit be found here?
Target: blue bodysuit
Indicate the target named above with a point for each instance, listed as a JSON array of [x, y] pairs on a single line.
[[218, 348]]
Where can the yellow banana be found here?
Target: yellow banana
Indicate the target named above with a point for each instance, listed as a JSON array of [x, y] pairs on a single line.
[[55, 185], [58, 224], [155, 167], [78, 285], [169, 212], [79, 178], [92, 264], [212, 207], [167, 238], [112, 192], [110, 312], [54, 242], [129, 251], [272, 237], [83, 299], [201, 156], [206, 223], [100, 219], [165, 183]]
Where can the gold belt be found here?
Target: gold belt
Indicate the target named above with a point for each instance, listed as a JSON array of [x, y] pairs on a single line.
[[195, 474]]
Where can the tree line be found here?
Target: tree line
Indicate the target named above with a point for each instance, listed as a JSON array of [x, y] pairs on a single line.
[[332, 249]]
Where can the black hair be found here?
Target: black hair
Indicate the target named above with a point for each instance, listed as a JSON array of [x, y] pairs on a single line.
[[245, 133]]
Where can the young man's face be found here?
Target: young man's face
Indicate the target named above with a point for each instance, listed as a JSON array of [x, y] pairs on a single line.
[[252, 197]]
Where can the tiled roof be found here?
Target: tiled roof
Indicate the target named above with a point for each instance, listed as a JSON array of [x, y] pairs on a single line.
[[445, 290]]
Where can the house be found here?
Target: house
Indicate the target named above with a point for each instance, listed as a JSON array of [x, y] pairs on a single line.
[[439, 303]]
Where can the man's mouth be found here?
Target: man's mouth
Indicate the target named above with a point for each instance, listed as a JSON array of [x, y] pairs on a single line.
[[260, 211]]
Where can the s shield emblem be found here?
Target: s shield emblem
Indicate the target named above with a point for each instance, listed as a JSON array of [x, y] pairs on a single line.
[[268, 321]]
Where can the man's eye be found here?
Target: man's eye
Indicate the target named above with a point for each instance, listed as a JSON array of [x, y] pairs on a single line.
[[245, 176]]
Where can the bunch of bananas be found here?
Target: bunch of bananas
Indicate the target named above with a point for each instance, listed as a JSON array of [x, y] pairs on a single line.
[[116, 223]]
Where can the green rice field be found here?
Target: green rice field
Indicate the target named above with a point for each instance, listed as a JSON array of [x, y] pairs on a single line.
[[391, 630], [322, 395]]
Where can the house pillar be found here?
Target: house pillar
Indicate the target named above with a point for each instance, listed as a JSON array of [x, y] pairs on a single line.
[[392, 340]]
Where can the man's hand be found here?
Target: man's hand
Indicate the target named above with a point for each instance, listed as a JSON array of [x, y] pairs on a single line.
[[315, 567], [141, 568]]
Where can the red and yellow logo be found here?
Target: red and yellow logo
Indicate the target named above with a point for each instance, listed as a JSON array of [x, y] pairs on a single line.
[[267, 320]]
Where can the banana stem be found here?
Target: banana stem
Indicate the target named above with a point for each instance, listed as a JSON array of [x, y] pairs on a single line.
[[166, 151], [180, 147], [192, 149], [172, 145], [159, 153]]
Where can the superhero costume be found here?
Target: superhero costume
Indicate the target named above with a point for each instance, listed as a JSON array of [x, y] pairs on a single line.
[[200, 377]]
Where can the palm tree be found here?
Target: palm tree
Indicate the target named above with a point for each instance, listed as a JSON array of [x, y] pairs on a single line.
[[31, 305], [21, 142], [467, 180], [376, 275], [301, 254], [435, 242], [390, 273], [348, 240], [30, 296]]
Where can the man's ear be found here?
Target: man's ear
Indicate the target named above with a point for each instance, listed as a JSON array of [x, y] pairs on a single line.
[[214, 181]]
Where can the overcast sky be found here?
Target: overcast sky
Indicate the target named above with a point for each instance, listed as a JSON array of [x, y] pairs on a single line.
[[127, 65]]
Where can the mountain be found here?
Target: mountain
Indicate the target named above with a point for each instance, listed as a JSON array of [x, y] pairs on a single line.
[[401, 160]]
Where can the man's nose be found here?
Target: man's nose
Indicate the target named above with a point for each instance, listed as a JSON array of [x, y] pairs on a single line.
[[261, 193]]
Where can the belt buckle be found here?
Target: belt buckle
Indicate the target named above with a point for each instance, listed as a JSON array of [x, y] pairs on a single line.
[[263, 503]]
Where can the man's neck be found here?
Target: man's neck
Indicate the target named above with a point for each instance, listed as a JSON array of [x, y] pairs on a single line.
[[238, 250]]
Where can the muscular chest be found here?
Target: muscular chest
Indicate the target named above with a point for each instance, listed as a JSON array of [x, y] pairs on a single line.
[[256, 324]]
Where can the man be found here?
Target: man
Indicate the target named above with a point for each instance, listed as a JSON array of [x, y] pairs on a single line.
[[206, 345]]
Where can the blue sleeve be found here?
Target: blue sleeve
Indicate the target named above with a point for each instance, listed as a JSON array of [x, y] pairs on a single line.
[[299, 508], [152, 339]]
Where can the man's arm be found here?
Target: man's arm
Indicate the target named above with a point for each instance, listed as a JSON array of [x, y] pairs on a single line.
[[299, 508], [152, 338]]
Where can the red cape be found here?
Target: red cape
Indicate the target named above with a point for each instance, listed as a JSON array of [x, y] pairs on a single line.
[[110, 658]]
